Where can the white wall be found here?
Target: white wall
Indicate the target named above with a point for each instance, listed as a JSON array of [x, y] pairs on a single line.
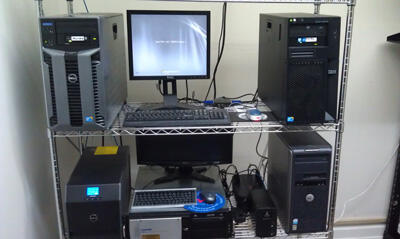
[[27, 199], [372, 114]]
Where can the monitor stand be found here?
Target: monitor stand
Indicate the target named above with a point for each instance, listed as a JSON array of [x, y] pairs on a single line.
[[184, 173], [170, 99]]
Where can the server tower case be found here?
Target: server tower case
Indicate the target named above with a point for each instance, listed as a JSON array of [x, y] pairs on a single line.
[[84, 70], [298, 66], [298, 180]]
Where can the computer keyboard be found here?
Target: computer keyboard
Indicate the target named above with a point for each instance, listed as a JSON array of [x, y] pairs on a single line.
[[164, 197], [161, 118]]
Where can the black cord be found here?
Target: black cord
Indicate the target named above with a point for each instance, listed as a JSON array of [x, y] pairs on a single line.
[[257, 152], [115, 141], [159, 88], [102, 141], [73, 144], [264, 158], [120, 140], [238, 97], [84, 2], [86, 141], [255, 96], [250, 166], [187, 90], [221, 47], [191, 99]]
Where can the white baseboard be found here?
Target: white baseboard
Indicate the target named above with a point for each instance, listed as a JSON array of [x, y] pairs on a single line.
[[359, 232]]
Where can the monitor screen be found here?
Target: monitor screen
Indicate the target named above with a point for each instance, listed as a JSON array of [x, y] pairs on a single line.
[[184, 150], [168, 44]]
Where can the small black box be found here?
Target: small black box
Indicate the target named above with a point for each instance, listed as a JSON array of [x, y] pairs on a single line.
[[263, 210], [242, 185]]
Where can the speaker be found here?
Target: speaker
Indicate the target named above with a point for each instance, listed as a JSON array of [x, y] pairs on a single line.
[[298, 66], [298, 180]]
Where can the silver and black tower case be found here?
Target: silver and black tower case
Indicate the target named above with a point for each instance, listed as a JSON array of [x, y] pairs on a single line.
[[299, 169], [84, 70]]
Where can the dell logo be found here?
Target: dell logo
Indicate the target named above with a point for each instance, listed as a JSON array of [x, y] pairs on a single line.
[[93, 218], [72, 78]]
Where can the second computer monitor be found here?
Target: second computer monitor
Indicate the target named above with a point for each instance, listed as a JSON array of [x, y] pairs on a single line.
[[169, 44], [184, 150]]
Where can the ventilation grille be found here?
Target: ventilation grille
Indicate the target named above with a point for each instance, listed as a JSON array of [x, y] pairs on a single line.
[[306, 84], [97, 109], [74, 91], [53, 118]]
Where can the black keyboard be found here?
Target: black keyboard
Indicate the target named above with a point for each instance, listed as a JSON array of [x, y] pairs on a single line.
[[164, 197], [162, 118]]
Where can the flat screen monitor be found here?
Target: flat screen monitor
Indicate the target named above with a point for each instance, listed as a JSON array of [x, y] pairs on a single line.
[[168, 44], [184, 150]]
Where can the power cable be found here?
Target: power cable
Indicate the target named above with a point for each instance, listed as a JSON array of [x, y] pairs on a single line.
[[87, 9], [221, 47]]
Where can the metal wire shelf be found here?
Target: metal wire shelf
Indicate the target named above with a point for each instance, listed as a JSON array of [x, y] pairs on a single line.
[[235, 128], [246, 229], [348, 2]]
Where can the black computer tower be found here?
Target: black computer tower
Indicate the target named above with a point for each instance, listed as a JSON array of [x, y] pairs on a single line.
[[298, 66], [298, 180], [98, 194]]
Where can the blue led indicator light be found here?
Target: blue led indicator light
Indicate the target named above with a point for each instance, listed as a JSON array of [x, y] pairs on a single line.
[[290, 119], [92, 191], [47, 24]]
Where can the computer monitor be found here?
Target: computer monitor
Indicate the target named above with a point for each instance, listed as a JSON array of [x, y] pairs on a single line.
[[168, 45], [184, 152]]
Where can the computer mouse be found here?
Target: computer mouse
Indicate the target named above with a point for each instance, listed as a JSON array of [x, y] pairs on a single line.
[[208, 197], [255, 115]]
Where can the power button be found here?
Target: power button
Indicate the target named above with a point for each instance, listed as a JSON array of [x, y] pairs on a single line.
[[310, 197]]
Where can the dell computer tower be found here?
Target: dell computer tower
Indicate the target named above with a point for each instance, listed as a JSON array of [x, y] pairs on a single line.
[[98, 194], [84, 70], [298, 66], [298, 180]]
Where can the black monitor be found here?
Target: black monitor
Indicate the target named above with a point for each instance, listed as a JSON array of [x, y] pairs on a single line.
[[184, 152], [168, 45]]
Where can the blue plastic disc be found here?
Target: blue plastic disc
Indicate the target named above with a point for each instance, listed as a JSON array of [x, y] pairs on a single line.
[[202, 207]]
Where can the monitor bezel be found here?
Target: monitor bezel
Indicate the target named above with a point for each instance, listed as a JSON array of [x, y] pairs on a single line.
[[143, 158], [129, 14]]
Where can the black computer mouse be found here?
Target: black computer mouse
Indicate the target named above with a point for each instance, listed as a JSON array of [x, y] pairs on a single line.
[[208, 197]]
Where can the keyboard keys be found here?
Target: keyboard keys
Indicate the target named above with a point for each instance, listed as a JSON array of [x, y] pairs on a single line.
[[160, 118], [164, 197]]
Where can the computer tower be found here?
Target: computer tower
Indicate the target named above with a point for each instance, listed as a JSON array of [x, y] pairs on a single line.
[[98, 194], [298, 180], [298, 66], [84, 70]]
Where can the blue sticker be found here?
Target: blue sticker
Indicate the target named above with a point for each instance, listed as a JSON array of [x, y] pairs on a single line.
[[295, 221], [290, 119], [89, 118]]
